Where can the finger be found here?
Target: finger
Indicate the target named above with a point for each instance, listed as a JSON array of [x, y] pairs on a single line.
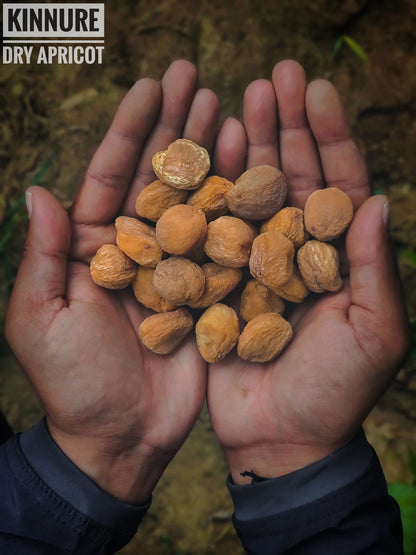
[[260, 122], [178, 90], [200, 126], [86, 240], [202, 123], [113, 165], [377, 312], [230, 151], [40, 284], [342, 163], [299, 157]]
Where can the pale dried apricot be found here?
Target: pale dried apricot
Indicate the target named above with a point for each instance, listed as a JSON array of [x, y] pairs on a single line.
[[319, 265], [183, 165]]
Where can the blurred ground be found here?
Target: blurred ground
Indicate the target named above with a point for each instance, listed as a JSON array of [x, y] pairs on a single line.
[[53, 117]]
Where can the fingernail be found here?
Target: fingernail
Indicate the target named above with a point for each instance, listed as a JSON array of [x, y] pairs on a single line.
[[386, 213], [29, 203]]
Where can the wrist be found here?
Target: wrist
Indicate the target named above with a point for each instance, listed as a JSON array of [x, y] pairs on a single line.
[[57, 478], [335, 473], [273, 460], [128, 474]]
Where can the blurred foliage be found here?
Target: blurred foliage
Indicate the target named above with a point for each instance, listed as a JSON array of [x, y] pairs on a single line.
[[410, 256], [413, 339], [10, 229], [352, 44], [7, 228], [405, 495]]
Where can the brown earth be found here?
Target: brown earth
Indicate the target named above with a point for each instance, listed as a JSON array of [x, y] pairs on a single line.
[[53, 117]]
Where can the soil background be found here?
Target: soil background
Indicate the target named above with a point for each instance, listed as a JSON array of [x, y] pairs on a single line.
[[54, 116]]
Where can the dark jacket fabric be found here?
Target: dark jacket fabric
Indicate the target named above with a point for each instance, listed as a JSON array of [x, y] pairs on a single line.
[[48, 506], [5, 429], [337, 506]]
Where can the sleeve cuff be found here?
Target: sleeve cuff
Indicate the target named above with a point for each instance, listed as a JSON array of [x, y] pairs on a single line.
[[59, 473], [303, 486]]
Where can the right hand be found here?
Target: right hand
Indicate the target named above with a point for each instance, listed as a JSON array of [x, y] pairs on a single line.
[[117, 410]]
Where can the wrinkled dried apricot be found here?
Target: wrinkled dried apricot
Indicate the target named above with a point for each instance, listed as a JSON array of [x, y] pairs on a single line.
[[146, 293], [219, 281], [179, 280], [294, 290], [264, 337], [111, 268], [258, 193], [157, 197], [138, 241], [183, 165], [228, 242], [289, 221], [328, 213], [319, 265], [217, 332], [210, 196], [181, 229], [271, 260], [256, 299], [161, 333]]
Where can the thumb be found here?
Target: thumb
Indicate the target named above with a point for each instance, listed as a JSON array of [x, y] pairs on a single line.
[[378, 311], [41, 279]]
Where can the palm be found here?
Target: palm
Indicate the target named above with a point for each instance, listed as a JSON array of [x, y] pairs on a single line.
[[123, 378], [288, 400]]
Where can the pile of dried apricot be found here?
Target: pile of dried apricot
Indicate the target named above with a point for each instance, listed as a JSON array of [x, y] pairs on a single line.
[[197, 238]]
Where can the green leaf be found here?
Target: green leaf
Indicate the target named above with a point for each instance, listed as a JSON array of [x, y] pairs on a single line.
[[42, 170], [355, 47], [412, 464], [405, 495], [337, 46]]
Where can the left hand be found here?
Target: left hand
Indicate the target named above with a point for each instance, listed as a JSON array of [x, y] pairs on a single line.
[[280, 416]]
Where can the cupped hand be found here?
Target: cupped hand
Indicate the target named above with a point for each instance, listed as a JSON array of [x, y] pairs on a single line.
[[277, 417], [117, 410]]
